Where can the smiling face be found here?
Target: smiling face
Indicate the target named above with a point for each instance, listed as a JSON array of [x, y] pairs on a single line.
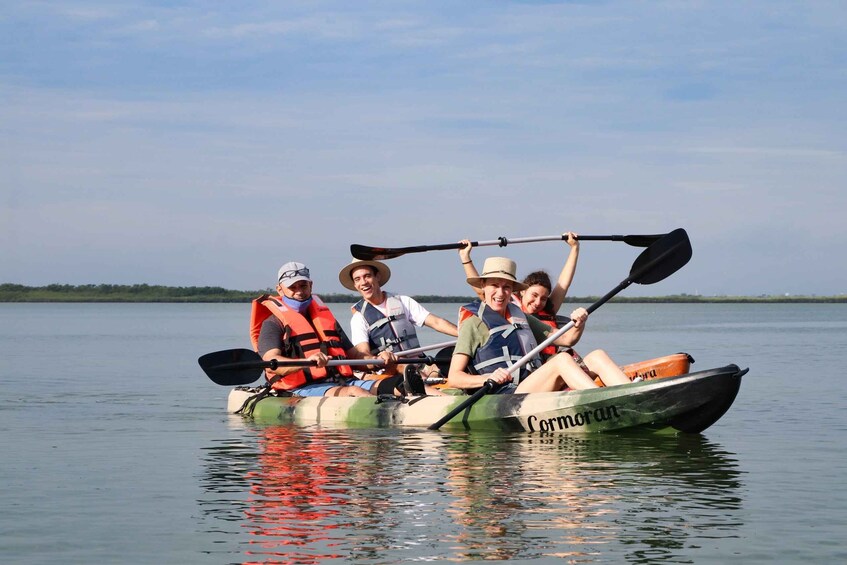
[[366, 281], [534, 298], [301, 290], [498, 293]]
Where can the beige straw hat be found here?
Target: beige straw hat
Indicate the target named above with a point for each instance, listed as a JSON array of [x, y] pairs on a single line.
[[497, 268], [345, 277]]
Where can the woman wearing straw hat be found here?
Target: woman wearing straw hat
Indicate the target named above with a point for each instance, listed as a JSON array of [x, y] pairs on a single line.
[[494, 334]]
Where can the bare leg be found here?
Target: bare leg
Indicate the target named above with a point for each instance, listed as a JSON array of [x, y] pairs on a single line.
[[347, 391], [432, 391], [599, 362], [557, 372]]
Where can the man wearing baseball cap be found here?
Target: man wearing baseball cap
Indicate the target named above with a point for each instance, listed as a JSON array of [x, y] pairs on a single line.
[[298, 325]]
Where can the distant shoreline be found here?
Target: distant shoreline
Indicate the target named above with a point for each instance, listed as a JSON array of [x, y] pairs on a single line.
[[212, 294]]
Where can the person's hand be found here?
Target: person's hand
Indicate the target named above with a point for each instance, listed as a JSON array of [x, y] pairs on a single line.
[[465, 252], [501, 376], [431, 372], [319, 359], [579, 316], [571, 238], [388, 358]]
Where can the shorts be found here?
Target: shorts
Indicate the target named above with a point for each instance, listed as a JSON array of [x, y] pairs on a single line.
[[367, 385], [314, 389], [320, 389], [508, 388]]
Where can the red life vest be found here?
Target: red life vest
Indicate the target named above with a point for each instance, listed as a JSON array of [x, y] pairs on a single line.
[[545, 316], [307, 336], [550, 320]]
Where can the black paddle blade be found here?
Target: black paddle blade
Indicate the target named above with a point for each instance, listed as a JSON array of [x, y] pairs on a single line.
[[662, 258], [379, 253], [367, 253], [642, 240], [232, 367]]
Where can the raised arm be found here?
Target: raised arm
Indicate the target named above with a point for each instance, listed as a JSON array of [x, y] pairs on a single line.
[[467, 264], [560, 289]]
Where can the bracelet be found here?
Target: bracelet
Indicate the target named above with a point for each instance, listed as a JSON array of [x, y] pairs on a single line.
[[466, 262]]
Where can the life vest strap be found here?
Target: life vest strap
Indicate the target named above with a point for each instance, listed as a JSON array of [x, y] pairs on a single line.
[[387, 343], [506, 358], [386, 320]]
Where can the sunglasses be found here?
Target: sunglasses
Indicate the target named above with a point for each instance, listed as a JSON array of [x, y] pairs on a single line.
[[290, 274]]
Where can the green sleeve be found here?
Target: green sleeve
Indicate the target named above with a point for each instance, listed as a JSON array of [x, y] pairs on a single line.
[[473, 334]]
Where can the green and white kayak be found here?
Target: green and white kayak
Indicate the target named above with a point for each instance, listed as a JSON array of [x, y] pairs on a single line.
[[688, 403]]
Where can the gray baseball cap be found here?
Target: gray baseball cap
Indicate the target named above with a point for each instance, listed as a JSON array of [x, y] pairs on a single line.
[[293, 272]]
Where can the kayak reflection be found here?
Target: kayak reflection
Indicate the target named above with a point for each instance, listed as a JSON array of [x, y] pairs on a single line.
[[573, 495], [315, 494], [309, 494]]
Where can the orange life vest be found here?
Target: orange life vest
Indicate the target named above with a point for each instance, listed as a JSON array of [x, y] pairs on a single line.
[[307, 336], [546, 317], [550, 320]]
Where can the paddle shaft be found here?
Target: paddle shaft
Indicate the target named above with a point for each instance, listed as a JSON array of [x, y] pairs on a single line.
[[484, 389], [275, 363], [369, 253], [234, 367], [407, 352], [378, 362]]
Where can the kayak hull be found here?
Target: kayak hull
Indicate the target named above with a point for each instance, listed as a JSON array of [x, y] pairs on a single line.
[[688, 403]]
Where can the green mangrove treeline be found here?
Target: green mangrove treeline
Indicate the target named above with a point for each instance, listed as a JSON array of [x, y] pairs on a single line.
[[157, 293]]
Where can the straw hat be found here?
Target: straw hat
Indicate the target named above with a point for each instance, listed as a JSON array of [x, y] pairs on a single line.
[[345, 277], [498, 268]]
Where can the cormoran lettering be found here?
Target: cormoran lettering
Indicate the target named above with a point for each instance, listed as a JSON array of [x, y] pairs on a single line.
[[577, 420]]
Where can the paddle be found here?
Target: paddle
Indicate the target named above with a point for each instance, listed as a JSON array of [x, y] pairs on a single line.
[[235, 367], [660, 260], [379, 253]]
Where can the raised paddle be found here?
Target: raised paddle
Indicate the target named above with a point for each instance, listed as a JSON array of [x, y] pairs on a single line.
[[235, 367], [379, 253], [660, 260]]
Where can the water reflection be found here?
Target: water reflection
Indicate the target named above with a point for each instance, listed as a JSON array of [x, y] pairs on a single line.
[[288, 494], [646, 497], [314, 494]]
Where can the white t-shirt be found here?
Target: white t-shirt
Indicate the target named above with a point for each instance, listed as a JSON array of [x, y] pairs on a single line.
[[415, 313]]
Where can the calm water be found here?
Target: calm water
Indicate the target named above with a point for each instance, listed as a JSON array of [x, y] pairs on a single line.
[[116, 449]]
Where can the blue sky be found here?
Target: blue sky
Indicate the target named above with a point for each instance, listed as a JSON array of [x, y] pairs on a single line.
[[206, 143]]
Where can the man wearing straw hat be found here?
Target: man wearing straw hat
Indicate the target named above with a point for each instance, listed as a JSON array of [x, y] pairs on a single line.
[[383, 321]]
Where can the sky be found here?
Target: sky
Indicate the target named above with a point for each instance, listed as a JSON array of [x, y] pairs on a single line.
[[206, 143]]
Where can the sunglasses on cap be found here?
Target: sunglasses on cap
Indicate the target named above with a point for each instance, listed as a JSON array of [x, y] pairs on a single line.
[[304, 272]]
